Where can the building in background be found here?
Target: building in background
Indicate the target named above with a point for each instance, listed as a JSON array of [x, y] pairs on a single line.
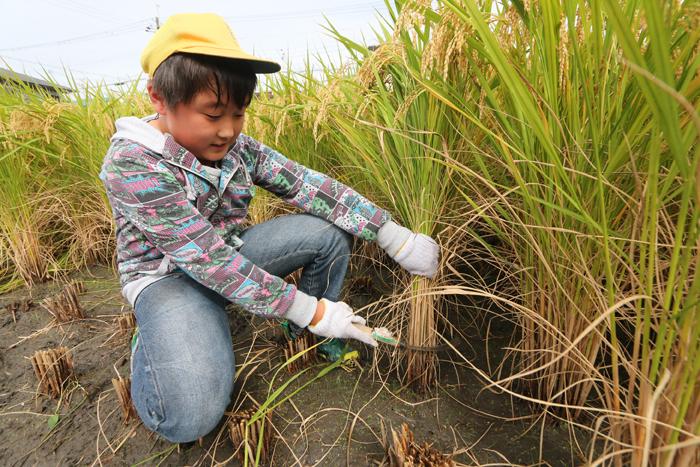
[[9, 78]]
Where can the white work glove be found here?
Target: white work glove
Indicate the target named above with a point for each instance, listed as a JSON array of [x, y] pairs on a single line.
[[417, 253], [337, 321]]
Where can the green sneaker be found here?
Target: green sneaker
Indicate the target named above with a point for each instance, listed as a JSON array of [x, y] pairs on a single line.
[[134, 344], [134, 339], [331, 350], [291, 330]]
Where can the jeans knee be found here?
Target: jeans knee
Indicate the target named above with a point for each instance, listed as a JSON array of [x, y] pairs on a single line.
[[341, 241], [196, 419], [185, 414], [181, 406]]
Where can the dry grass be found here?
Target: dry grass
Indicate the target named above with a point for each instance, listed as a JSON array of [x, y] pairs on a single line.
[[403, 450], [65, 306], [125, 324], [53, 368]]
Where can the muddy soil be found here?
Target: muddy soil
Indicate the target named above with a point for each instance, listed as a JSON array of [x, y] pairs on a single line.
[[335, 420]]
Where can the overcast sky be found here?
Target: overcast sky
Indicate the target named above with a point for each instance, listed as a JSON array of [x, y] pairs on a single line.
[[102, 41]]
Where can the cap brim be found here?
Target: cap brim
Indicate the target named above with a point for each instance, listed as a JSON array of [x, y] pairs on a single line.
[[257, 65]]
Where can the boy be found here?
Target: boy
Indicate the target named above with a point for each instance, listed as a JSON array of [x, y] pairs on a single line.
[[179, 184]]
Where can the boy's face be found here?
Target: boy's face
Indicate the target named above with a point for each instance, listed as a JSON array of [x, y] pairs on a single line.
[[201, 126]]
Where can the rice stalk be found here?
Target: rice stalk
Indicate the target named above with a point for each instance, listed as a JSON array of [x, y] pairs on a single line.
[[251, 438], [122, 387], [53, 368], [403, 451], [421, 366], [125, 324], [65, 306], [301, 348]]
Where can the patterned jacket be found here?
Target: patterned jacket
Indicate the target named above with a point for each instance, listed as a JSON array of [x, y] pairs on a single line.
[[169, 215]]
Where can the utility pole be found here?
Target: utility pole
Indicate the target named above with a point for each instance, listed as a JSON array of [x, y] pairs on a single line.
[[156, 20]]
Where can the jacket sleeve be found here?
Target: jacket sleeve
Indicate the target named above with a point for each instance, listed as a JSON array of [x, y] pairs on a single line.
[[146, 193], [314, 192]]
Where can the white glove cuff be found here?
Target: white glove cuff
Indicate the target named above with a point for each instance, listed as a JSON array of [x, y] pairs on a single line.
[[302, 310], [391, 237]]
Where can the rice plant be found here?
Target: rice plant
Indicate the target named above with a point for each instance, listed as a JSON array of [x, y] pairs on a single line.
[[390, 133], [21, 228], [56, 217], [596, 129], [570, 128]]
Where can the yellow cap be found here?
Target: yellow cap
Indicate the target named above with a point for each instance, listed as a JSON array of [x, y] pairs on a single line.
[[198, 33]]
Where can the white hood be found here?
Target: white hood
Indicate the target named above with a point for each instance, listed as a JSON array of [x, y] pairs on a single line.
[[138, 130]]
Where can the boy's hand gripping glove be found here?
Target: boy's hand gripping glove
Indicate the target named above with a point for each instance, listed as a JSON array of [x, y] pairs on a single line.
[[417, 253], [337, 321]]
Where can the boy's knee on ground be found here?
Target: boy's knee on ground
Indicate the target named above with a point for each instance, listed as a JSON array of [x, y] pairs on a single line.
[[184, 408]]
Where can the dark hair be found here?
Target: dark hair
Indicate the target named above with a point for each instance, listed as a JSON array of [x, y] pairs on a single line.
[[181, 76]]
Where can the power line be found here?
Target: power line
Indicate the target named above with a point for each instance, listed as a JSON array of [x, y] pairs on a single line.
[[86, 8], [62, 68], [127, 28], [361, 8], [81, 8]]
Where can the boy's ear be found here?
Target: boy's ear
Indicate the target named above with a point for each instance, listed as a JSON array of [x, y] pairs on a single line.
[[156, 99]]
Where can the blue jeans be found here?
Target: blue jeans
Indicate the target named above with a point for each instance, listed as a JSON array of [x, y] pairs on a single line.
[[183, 365]]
